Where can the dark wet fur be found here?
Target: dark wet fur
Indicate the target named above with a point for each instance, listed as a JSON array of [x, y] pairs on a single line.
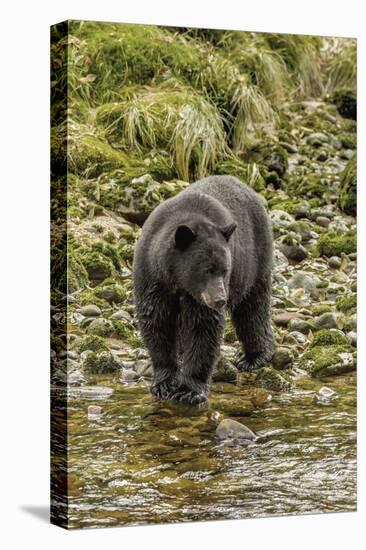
[[170, 315]]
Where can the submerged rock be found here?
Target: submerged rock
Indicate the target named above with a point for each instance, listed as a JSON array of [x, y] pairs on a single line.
[[94, 412], [90, 392], [231, 430], [325, 395]]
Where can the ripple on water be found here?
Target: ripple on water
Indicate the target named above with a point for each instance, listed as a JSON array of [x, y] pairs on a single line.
[[146, 462]]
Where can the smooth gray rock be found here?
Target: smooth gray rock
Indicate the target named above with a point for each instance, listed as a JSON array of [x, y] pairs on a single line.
[[229, 429], [282, 358], [90, 310], [326, 320]]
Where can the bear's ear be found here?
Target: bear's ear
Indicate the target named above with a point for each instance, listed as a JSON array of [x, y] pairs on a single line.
[[228, 230], [184, 236]]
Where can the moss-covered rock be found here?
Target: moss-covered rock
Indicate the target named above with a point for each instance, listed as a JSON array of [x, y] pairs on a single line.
[[224, 371], [101, 327], [93, 343], [333, 243], [272, 379], [97, 265], [327, 337], [329, 360], [347, 304], [100, 362], [347, 199], [77, 275], [111, 291]]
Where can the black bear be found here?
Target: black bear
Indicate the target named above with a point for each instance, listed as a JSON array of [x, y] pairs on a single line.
[[207, 249]]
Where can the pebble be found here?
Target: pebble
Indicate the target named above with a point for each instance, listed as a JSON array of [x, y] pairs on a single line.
[[322, 221], [122, 315], [90, 393], [282, 359], [325, 395], [300, 325], [296, 253], [352, 338], [90, 311], [283, 319], [326, 320], [94, 412], [335, 262], [305, 280], [129, 375], [234, 431]]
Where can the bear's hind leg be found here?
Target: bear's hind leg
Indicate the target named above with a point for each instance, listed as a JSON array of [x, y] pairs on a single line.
[[157, 319], [252, 322], [201, 334]]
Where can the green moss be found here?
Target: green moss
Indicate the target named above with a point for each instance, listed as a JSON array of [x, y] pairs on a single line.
[[87, 154], [88, 297], [93, 343], [333, 244], [288, 205], [272, 379], [347, 304], [319, 309], [229, 332], [97, 265], [111, 291], [348, 140], [247, 173], [328, 360], [224, 371], [100, 362], [110, 237], [347, 199], [77, 276], [122, 329], [326, 337]]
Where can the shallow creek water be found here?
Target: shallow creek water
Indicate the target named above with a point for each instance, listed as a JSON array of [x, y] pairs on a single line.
[[144, 462]]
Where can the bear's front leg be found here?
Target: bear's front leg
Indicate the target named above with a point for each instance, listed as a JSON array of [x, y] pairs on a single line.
[[201, 334], [157, 319]]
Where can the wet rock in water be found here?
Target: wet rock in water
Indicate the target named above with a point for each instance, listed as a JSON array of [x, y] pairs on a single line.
[[335, 262], [282, 319], [270, 379], [326, 320], [300, 325], [352, 338], [94, 412], [224, 371], [76, 378], [129, 375], [233, 431], [322, 221], [100, 327], [234, 407], [303, 279], [330, 360], [101, 362], [90, 310], [282, 359], [122, 315], [90, 393], [325, 395]]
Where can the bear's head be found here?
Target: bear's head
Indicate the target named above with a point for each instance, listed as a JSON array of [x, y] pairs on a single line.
[[202, 262]]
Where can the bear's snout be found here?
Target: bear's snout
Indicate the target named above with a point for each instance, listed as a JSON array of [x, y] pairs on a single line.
[[214, 295]]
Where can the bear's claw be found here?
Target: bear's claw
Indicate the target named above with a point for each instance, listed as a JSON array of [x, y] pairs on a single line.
[[163, 390], [252, 362], [189, 397]]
